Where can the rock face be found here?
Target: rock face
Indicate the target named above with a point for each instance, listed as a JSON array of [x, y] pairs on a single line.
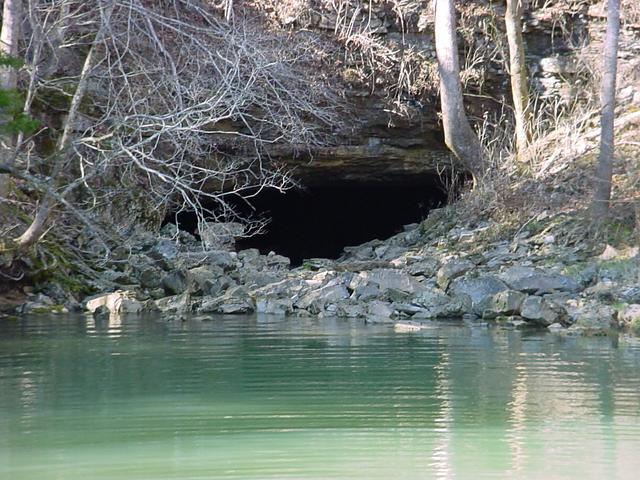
[[398, 138]]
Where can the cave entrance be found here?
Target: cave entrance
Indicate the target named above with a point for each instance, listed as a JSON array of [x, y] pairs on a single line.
[[320, 221]]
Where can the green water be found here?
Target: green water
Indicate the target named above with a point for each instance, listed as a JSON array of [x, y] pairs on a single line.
[[247, 397]]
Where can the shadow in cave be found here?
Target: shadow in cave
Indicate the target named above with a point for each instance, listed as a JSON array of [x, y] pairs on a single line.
[[321, 221]]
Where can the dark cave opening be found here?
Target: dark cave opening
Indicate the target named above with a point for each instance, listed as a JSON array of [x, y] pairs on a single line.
[[321, 220]]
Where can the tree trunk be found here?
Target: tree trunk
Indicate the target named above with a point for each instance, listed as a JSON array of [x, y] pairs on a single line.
[[9, 36], [458, 134], [11, 19], [518, 74], [604, 170]]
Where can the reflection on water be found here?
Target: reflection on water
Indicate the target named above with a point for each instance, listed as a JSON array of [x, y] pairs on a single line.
[[259, 397]]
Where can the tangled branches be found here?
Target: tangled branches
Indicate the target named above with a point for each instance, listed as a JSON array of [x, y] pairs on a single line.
[[171, 110]]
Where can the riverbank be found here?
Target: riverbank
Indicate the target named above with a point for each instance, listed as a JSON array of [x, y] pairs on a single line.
[[524, 277]]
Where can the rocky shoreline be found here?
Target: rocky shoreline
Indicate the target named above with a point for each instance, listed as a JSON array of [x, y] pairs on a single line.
[[432, 270]]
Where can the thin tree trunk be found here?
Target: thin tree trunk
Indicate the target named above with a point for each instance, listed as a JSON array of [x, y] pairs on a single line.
[[604, 170], [33, 233], [11, 19], [518, 74], [458, 134], [9, 37]]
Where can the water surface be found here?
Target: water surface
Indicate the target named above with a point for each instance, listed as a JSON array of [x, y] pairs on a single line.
[[261, 398]]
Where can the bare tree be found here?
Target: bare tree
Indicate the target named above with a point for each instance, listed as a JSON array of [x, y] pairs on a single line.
[[518, 74], [43, 211], [173, 110], [459, 136], [604, 169]]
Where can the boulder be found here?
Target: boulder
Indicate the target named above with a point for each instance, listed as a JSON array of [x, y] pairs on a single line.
[[385, 279], [150, 277], [434, 304], [368, 291], [255, 279], [541, 311], [174, 304], [274, 306], [379, 310], [164, 252], [480, 290], [274, 261], [507, 302], [119, 302], [176, 282], [289, 288], [220, 235], [315, 300], [234, 300], [534, 280], [349, 309], [426, 267], [208, 280], [223, 259], [452, 270]]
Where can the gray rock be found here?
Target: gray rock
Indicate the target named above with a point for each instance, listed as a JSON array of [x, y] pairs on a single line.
[[274, 261], [315, 300], [174, 304], [150, 277], [274, 306], [434, 304], [379, 309], [176, 282], [362, 252], [366, 292], [452, 270], [220, 235], [249, 255], [479, 289], [507, 302], [165, 253], [223, 259], [350, 310], [542, 312], [234, 300], [289, 288], [426, 267], [208, 280], [255, 279], [591, 317], [389, 252], [533, 280], [386, 279]]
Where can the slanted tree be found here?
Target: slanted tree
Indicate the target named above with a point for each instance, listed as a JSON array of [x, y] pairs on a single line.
[[458, 134], [604, 169], [518, 74]]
